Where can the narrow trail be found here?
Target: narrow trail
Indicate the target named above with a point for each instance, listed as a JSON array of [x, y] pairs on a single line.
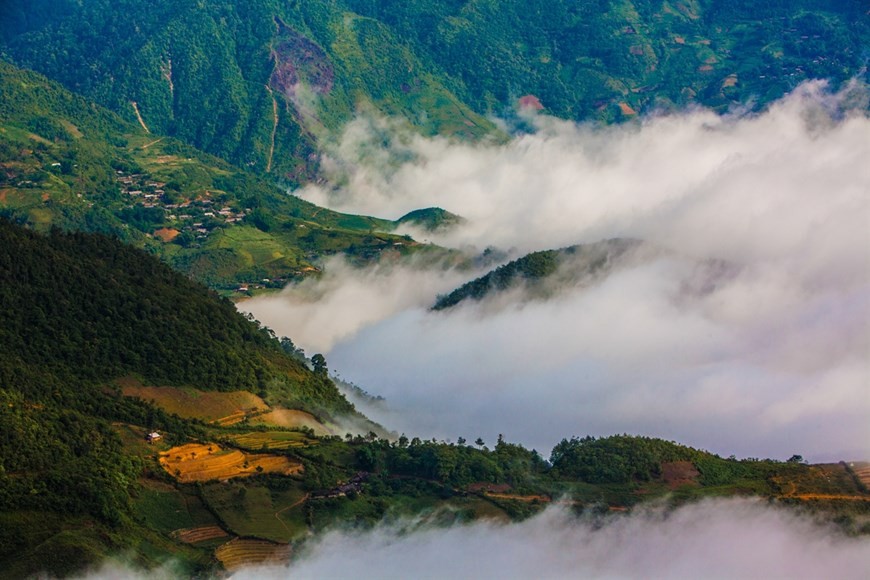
[[274, 128], [291, 506], [806, 496], [515, 497], [155, 142], [792, 493], [138, 116]]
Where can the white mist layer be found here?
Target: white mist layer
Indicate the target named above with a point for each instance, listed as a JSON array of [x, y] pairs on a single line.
[[317, 314], [772, 362], [713, 539]]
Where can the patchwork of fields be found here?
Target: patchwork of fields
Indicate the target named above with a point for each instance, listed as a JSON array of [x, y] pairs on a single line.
[[204, 462]]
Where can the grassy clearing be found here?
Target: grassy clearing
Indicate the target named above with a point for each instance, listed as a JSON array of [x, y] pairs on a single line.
[[253, 511], [167, 509], [258, 247], [133, 439], [192, 403], [290, 505], [204, 462], [291, 419]]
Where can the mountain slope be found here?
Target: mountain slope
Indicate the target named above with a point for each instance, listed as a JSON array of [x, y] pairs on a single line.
[[71, 164], [263, 83], [80, 311], [580, 264], [103, 344], [253, 83]]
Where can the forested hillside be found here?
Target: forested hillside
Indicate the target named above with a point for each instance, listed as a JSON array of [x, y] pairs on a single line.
[[261, 83], [104, 344], [255, 83], [80, 311], [573, 265], [83, 307], [68, 163]]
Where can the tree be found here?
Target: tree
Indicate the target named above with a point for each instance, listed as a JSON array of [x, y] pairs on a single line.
[[479, 442], [319, 362]]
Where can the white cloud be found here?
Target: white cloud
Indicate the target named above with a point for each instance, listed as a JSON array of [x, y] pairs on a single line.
[[713, 539], [771, 361], [318, 313]]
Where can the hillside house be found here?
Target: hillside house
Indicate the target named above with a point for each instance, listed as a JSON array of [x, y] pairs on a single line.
[[153, 436]]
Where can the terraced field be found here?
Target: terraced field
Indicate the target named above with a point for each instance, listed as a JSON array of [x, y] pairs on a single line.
[[204, 462], [241, 552], [862, 471], [273, 440], [199, 534]]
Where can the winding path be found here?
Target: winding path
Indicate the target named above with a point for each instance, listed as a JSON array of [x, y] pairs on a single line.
[[274, 128], [138, 116], [291, 506]]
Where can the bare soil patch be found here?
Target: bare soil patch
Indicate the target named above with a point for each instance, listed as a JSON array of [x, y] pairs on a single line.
[[166, 234], [679, 473], [292, 419]]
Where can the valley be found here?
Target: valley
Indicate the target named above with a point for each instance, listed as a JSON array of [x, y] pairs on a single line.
[[434, 288]]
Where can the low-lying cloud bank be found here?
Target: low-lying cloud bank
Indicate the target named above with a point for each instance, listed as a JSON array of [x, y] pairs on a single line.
[[713, 539], [734, 185], [318, 313], [772, 361]]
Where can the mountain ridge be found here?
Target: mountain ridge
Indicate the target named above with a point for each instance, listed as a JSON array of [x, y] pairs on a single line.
[[210, 74]]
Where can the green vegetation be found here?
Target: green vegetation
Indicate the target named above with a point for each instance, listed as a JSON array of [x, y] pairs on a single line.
[[80, 311], [84, 315], [256, 84], [261, 84], [431, 219], [70, 164], [575, 264]]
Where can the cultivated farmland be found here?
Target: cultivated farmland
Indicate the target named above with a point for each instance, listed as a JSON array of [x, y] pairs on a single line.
[[189, 403], [204, 462], [241, 552], [199, 534], [273, 440]]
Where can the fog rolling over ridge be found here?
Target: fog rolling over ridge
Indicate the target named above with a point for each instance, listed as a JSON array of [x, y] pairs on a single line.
[[770, 361], [711, 539]]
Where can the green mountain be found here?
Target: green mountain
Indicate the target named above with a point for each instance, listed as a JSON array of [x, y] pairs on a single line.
[[543, 272], [71, 164], [255, 83], [431, 219], [81, 311], [104, 345], [263, 83]]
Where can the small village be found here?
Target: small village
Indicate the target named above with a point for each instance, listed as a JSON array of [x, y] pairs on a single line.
[[197, 217]]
